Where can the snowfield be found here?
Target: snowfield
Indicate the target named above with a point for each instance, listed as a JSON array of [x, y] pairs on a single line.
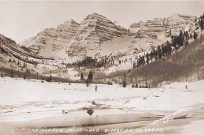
[[31, 101]]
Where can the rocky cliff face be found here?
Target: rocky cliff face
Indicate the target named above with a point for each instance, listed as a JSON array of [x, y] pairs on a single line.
[[53, 41], [163, 26], [178, 22], [93, 31], [157, 31], [97, 35], [73, 39], [151, 28]]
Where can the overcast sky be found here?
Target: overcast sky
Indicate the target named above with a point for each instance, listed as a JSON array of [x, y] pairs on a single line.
[[21, 20]]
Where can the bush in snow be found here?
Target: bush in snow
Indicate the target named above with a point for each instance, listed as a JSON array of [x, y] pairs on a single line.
[[110, 83], [136, 85], [64, 112], [49, 79]]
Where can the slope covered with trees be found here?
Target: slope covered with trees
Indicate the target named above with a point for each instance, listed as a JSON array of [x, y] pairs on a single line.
[[182, 59]]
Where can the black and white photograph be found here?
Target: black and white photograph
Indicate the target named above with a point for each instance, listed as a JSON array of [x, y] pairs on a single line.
[[101, 67]]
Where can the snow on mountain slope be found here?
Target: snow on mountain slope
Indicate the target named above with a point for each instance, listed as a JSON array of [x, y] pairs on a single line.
[[20, 59], [52, 42], [96, 36], [93, 32], [154, 28], [157, 31], [13, 54], [148, 29], [28, 42]]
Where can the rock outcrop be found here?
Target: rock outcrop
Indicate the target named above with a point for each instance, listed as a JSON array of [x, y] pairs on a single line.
[[53, 41], [163, 26], [157, 31], [93, 31], [97, 35]]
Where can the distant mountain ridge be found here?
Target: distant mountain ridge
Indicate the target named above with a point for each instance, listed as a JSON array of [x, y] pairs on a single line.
[[96, 35]]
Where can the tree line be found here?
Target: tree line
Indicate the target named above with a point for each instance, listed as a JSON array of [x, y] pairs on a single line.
[[165, 49]]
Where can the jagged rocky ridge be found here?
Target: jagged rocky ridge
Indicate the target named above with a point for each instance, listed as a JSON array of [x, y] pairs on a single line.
[[94, 31], [53, 40], [163, 26], [157, 31], [90, 37]]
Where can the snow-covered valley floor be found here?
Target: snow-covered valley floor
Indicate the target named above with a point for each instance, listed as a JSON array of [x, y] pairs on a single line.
[[33, 104]]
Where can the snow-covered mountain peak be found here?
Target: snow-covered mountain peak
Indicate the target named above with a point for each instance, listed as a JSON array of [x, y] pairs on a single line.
[[94, 16], [155, 27], [96, 33], [178, 18], [67, 25], [52, 42], [175, 16], [93, 31]]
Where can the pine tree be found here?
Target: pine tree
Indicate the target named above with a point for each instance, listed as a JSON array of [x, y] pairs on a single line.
[[147, 58], [87, 82], [181, 38], [163, 50], [50, 78], [37, 74], [24, 76], [146, 85], [124, 80], [82, 77], [201, 22], [195, 35], [169, 50], [18, 63], [195, 20], [24, 65], [27, 74], [90, 76], [159, 52], [11, 73], [170, 33], [42, 79], [186, 35], [136, 85]]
